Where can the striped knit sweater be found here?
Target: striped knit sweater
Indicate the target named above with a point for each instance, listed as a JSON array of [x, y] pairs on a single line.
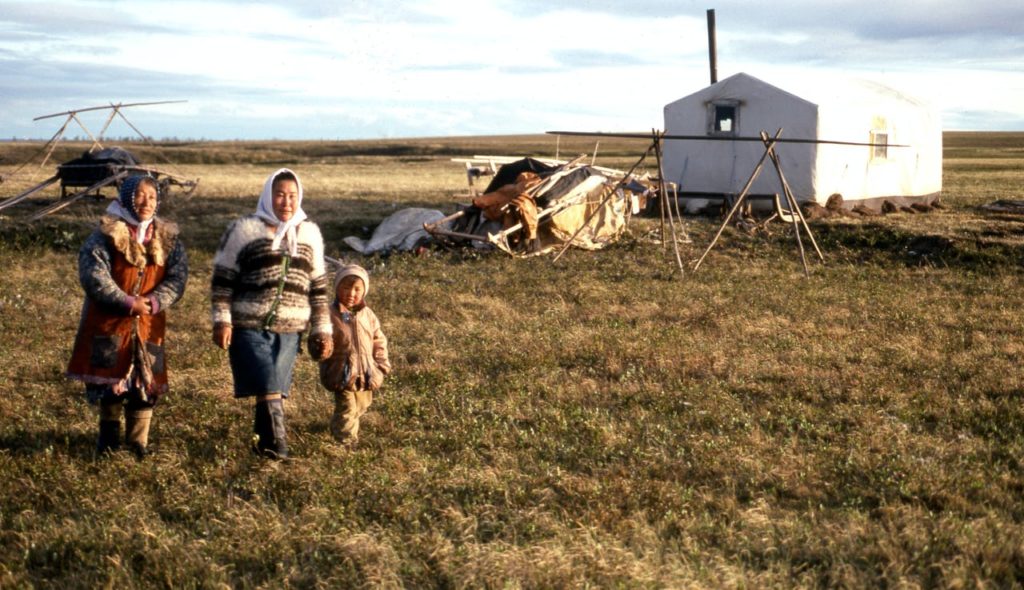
[[246, 276]]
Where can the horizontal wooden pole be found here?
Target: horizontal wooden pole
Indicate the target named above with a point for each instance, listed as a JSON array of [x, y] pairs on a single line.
[[111, 106], [715, 138]]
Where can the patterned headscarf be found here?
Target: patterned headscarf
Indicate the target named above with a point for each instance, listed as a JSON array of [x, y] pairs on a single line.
[[265, 210], [124, 205]]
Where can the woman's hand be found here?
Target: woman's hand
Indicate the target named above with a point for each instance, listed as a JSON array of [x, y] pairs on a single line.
[[222, 335], [141, 306], [321, 346]]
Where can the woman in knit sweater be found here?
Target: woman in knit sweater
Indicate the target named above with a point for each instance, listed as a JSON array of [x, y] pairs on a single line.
[[269, 284], [132, 268]]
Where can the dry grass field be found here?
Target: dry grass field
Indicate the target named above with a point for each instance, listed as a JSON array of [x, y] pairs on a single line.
[[601, 421]]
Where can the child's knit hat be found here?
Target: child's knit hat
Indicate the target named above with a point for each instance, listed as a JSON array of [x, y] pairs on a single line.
[[350, 270]]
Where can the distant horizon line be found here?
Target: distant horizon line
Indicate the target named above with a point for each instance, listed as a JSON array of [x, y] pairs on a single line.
[[133, 140]]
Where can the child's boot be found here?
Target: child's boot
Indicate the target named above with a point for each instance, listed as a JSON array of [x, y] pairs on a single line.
[[338, 418], [109, 439], [345, 421], [136, 425]]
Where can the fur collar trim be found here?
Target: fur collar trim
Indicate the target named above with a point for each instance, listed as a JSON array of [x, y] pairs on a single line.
[[157, 249]]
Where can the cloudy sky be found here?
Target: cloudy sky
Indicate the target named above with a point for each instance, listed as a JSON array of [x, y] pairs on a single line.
[[330, 69]]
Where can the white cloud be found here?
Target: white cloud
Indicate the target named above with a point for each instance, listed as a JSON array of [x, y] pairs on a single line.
[[489, 66]]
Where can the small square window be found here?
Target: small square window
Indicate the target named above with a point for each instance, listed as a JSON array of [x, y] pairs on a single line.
[[723, 117]]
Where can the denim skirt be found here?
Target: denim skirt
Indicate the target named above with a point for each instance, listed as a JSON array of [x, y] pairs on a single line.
[[261, 361]]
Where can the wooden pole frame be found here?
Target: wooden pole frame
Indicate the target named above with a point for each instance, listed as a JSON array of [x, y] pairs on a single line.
[[54, 141], [795, 214], [740, 138], [794, 207], [608, 195], [739, 199], [26, 194], [500, 239], [79, 195], [115, 110], [666, 208], [95, 142], [145, 138]]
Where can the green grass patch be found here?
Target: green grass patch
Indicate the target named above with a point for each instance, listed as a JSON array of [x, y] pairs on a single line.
[[602, 421]]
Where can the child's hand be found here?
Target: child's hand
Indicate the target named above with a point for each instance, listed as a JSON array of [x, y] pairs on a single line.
[[375, 379]]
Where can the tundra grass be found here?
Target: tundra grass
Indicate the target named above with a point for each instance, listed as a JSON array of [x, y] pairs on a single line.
[[600, 421]]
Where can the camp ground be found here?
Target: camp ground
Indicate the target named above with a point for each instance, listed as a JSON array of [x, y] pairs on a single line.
[[97, 168], [568, 203], [561, 204]]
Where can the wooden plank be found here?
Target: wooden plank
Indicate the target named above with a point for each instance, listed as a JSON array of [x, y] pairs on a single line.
[[443, 232], [430, 226], [75, 197], [19, 198]]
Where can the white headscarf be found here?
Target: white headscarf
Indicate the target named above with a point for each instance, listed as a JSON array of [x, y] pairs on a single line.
[[265, 210]]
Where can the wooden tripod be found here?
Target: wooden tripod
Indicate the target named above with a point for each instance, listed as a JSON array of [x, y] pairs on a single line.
[[665, 207], [795, 215]]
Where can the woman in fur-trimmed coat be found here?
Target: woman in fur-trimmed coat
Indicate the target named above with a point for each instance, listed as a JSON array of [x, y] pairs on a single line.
[[269, 284], [132, 268]]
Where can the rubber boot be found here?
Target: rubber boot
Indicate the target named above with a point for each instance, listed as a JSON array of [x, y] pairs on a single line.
[[261, 427], [269, 427], [136, 426], [109, 439], [276, 408]]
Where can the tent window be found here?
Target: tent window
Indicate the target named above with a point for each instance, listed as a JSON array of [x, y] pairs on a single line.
[[880, 149], [723, 118]]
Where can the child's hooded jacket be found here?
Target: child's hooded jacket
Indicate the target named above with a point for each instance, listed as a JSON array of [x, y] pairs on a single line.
[[360, 357]]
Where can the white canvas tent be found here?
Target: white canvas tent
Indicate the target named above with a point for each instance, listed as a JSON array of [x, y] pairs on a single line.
[[835, 110]]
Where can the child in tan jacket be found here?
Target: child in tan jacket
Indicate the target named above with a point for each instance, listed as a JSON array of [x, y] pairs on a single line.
[[359, 362]]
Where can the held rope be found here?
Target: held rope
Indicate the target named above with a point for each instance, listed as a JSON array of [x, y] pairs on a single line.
[[272, 315]]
